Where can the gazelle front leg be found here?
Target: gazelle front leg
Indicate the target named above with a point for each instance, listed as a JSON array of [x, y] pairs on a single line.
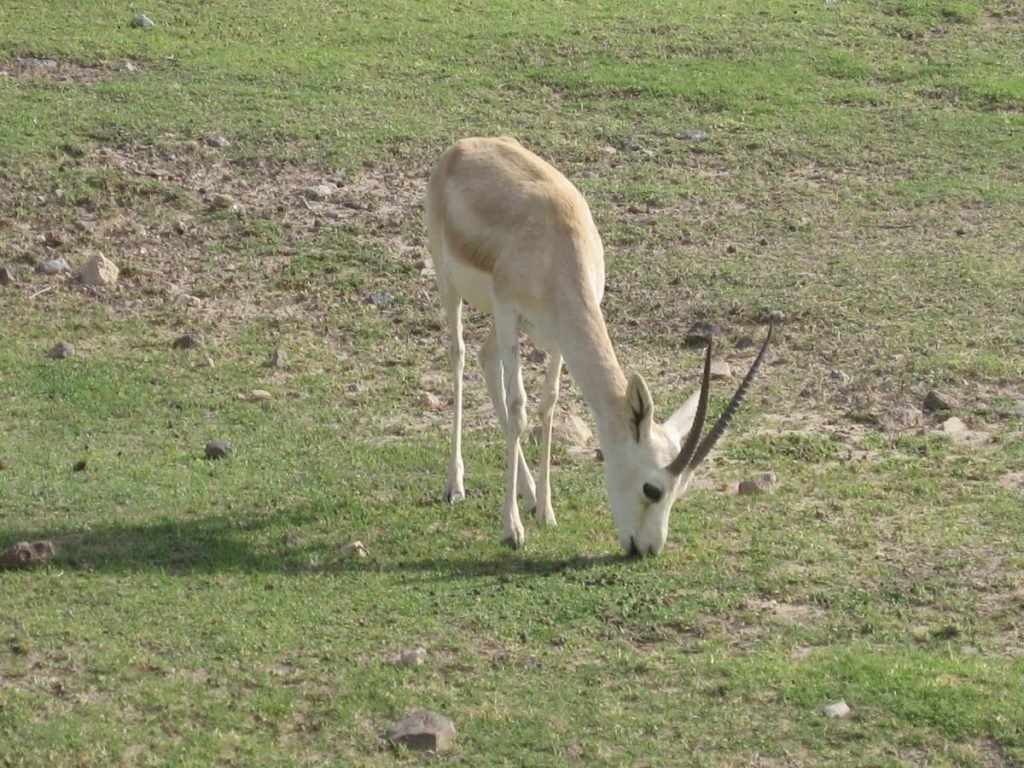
[[454, 488], [506, 331], [545, 515]]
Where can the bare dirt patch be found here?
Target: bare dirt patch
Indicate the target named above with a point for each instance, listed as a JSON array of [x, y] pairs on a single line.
[[45, 70]]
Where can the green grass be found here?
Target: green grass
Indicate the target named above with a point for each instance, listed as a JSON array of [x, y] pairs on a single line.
[[860, 171]]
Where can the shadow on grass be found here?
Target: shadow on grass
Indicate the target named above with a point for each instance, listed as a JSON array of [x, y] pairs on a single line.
[[261, 544], [190, 545]]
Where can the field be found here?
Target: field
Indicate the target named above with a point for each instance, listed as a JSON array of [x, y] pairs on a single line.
[[256, 171]]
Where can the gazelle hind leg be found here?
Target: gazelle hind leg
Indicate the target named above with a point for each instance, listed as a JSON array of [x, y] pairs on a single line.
[[490, 361], [506, 332], [544, 513], [454, 488]]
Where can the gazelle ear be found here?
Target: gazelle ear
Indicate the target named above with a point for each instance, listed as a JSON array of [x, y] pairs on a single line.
[[680, 423], [641, 407]]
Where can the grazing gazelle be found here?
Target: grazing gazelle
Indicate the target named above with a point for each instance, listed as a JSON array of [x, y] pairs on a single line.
[[513, 237]]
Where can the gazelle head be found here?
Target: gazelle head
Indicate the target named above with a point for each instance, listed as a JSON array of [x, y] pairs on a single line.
[[648, 470]]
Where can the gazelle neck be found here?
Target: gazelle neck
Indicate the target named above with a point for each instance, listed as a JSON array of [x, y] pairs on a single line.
[[588, 351]]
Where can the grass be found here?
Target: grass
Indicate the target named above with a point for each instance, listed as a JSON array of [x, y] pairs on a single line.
[[859, 170]]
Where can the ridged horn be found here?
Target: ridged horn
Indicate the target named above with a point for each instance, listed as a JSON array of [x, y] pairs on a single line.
[[682, 459]]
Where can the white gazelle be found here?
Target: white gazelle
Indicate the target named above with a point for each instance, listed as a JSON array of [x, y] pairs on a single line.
[[513, 237]]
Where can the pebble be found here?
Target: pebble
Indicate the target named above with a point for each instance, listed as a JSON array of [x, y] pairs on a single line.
[[99, 271], [255, 395], [692, 134], [837, 709], [764, 483], [143, 21], [218, 142], [319, 192], [424, 731], [430, 401], [187, 341], [720, 370], [53, 267], [217, 449], [936, 401], [61, 351], [27, 554]]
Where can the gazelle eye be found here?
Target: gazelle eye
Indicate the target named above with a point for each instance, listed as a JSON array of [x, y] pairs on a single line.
[[652, 492]]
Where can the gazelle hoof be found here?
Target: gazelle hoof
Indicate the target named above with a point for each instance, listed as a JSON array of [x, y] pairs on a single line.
[[453, 496]]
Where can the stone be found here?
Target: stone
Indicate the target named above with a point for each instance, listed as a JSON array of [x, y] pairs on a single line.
[[936, 401], [353, 549], [744, 342], [838, 376], [411, 658], [837, 709], [255, 395], [692, 134], [27, 554], [187, 341], [319, 192], [61, 351], [775, 317], [720, 370], [217, 449], [142, 21], [218, 142], [99, 271], [7, 276], [53, 267], [424, 731], [763, 483], [223, 202], [430, 401], [700, 332]]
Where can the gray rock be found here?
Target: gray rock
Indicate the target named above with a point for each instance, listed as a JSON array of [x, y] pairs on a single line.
[[217, 449], [218, 142], [720, 370], [699, 333], [936, 401], [424, 731], [838, 376], [692, 134], [411, 658], [99, 271], [319, 192], [52, 267], [143, 21], [744, 342], [187, 341], [837, 709], [61, 351], [775, 316], [764, 483]]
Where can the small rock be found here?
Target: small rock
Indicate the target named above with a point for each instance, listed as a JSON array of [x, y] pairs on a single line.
[[319, 192], [411, 658], [142, 21], [607, 150], [218, 142], [255, 395], [26, 554], [840, 377], [700, 332], [425, 731], [276, 359], [7, 276], [720, 370], [188, 300], [187, 341], [181, 227], [692, 134], [430, 401], [217, 449], [837, 709], [744, 342], [775, 317], [79, 466], [905, 418], [222, 202], [353, 549], [764, 483], [99, 271], [380, 300], [61, 351], [53, 267], [936, 401]]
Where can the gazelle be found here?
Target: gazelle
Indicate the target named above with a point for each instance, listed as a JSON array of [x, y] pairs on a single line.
[[512, 236]]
